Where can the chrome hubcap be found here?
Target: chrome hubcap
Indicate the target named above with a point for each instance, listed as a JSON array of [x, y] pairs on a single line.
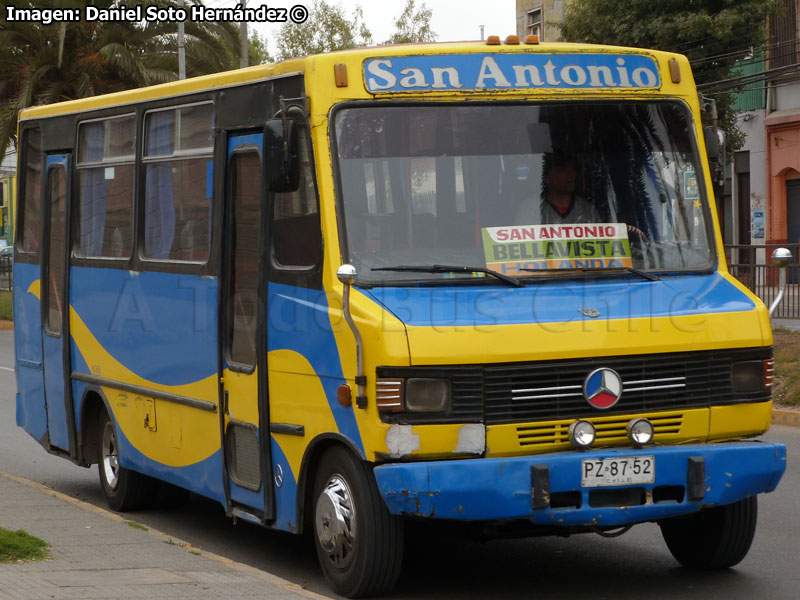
[[335, 522], [110, 464]]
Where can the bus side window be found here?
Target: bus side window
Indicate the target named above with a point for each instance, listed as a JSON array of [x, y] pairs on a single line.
[[296, 233], [30, 226], [178, 161], [105, 175]]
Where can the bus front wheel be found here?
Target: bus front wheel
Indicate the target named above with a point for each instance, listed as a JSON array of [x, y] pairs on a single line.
[[714, 538], [359, 543], [124, 489]]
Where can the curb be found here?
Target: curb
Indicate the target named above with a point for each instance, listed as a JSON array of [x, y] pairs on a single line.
[[786, 417], [242, 568], [6, 325]]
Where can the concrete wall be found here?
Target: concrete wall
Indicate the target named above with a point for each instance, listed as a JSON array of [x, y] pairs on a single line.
[[752, 124], [552, 12], [786, 97]]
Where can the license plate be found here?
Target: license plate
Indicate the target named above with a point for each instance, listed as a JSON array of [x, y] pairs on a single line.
[[624, 470]]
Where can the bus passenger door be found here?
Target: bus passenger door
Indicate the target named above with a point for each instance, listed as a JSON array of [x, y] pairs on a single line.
[[55, 301], [244, 416]]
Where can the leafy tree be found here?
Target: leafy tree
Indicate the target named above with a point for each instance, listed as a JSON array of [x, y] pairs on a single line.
[[327, 28], [413, 25], [257, 51], [714, 34], [44, 64]]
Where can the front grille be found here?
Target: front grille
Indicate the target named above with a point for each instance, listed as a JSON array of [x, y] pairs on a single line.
[[552, 390], [608, 430]]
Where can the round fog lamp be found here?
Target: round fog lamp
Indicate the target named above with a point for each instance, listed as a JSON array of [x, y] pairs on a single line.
[[640, 432], [582, 434]]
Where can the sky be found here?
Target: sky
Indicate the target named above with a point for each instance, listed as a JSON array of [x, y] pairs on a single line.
[[452, 20]]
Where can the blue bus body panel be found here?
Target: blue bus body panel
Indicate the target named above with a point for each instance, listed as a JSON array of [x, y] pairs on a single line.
[[53, 355], [299, 320], [624, 297], [161, 326], [204, 477], [31, 408], [501, 488]]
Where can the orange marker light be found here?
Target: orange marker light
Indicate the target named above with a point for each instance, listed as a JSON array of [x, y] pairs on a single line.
[[340, 74], [674, 70], [512, 39], [493, 40], [344, 395], [531, 39]]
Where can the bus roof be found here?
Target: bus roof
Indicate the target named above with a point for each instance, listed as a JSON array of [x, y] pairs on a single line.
[[298, 66]]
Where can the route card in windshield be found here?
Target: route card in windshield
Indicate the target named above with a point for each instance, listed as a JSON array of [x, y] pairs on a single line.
[[516, 250]]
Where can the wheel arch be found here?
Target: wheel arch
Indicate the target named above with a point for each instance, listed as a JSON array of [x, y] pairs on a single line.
[[308, 469], [93, 402]]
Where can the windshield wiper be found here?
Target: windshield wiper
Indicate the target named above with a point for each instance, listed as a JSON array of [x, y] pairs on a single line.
[[452, 269], [640, 273]]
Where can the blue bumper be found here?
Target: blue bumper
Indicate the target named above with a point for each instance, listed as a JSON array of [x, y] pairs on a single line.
[[503, 488]]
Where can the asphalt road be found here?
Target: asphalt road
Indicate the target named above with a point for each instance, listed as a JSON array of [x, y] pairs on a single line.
[[634, 566]]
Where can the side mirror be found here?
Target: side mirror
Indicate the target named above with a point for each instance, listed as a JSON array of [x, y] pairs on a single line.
[[281, 155], [712, 144]]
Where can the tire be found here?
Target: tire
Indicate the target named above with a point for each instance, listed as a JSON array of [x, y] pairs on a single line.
[[714, 538], [359, 543], [124, 489]]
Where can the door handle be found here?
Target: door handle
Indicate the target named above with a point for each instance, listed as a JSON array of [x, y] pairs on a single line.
[[225, 402]]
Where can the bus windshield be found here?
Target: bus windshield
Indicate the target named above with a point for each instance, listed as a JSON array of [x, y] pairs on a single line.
[[520, 189]]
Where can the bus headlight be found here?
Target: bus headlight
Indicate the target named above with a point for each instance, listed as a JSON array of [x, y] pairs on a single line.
[[428, 395], [582, 434], [751, 375]]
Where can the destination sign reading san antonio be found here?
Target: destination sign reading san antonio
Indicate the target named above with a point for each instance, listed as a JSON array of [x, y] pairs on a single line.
[[520, 249], [509, 71]]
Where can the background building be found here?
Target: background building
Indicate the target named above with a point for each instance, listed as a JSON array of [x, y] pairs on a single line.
[[539, 17], [8, 169]]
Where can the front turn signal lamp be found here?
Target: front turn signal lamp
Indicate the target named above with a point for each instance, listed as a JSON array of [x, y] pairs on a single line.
[[414, 394]]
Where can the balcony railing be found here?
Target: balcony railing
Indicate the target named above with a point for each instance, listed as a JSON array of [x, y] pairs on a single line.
[[6, 272]]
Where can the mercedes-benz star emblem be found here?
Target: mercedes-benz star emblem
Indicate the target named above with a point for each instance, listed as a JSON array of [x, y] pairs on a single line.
[[602, 388]]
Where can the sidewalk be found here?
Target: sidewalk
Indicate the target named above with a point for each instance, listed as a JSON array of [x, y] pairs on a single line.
[[95, 554]]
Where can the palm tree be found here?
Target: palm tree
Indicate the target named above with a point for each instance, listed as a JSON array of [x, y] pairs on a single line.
[[44, 64]]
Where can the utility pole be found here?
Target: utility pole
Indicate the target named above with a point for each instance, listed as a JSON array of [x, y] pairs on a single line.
[[481, 26], [181, 48], [243, 61]]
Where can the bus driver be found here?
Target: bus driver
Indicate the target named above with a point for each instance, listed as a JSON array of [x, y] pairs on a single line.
[[558, 202]]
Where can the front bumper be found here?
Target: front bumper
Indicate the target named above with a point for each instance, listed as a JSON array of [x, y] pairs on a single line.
[[503, 488]]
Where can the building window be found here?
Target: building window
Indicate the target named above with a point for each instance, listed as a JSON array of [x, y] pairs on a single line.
[[179, 182], [105, 173], [533, 22]]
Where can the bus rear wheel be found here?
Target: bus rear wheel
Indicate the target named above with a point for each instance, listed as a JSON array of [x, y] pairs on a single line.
[[359, 543], [124, 489], [714, 538]]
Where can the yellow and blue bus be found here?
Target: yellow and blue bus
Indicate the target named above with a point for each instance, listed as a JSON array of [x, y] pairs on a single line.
[[478, 282]]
